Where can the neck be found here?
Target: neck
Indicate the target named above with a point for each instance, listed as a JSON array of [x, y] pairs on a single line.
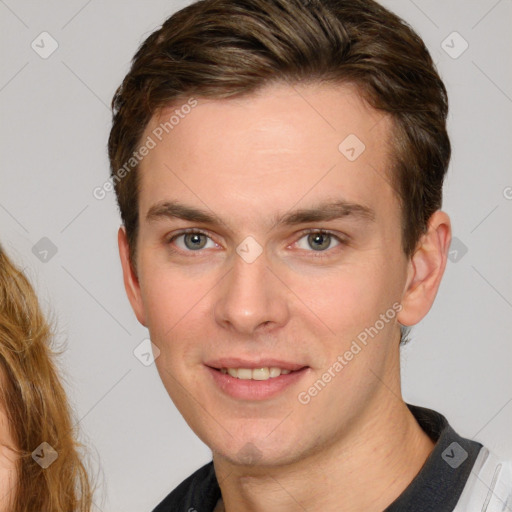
[[364, 470]]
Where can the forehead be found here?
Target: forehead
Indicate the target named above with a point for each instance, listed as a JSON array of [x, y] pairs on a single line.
[[268, 151]]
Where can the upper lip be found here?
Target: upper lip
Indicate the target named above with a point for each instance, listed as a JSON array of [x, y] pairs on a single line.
[[235, 362]]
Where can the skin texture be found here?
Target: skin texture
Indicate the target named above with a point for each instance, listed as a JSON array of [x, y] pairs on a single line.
[[8, 475], [354, 446]]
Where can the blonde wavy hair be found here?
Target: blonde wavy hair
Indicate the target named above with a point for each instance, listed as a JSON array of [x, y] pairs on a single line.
[[35, 403]]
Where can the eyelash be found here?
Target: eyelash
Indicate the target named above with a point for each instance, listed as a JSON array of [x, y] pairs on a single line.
[[343, 241]]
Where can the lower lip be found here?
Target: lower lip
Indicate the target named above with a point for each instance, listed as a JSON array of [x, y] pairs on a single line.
[[249, 389]]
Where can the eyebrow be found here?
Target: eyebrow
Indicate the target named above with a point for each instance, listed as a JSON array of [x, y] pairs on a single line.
[[325, 211]]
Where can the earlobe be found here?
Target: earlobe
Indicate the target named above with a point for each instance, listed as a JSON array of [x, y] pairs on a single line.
[[130, 278], [426, 268]]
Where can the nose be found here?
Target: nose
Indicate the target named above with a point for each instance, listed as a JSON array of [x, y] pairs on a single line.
[[251, 297]]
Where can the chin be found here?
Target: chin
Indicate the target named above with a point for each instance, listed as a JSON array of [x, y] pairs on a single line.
[[255, 449]]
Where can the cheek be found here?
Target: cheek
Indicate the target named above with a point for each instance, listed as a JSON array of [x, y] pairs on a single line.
[[8, 465], [167, 297], [346, 304], [176, 308], [343, 299]]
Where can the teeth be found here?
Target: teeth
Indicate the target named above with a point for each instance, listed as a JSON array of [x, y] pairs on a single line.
[[256, 373], [244, 373], [274, 372]]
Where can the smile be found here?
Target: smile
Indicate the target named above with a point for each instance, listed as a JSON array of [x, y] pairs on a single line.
[[257, 383], [264, 373]]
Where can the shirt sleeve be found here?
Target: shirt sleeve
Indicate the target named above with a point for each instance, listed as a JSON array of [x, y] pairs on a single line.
[[489, 487]]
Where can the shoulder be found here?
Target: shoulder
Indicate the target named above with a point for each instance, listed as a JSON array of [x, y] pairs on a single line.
[[197, 493], [489, 486]]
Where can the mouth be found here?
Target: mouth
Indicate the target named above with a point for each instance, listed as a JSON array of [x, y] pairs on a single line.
[[264, 373], [255, 380]]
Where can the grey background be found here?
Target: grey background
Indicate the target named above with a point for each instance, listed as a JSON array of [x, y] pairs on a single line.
[[54, 129]]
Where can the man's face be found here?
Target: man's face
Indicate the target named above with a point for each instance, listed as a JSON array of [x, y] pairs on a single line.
[[214, 298]]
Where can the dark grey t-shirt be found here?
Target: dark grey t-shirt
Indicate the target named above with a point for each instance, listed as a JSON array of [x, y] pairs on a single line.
[[436, 488]]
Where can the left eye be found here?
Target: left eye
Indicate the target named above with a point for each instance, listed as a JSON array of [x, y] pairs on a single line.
[[319, 241]]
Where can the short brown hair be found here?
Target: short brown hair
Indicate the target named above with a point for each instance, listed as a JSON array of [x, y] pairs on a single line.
[[226, 48]]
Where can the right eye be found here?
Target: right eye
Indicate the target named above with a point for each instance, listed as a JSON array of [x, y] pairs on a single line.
[[192, 241]]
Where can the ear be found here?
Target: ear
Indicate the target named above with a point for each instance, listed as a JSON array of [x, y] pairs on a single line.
[[425, 269], [130, 278]]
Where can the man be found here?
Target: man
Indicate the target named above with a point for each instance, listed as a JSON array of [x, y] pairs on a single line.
[[278, 166]]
